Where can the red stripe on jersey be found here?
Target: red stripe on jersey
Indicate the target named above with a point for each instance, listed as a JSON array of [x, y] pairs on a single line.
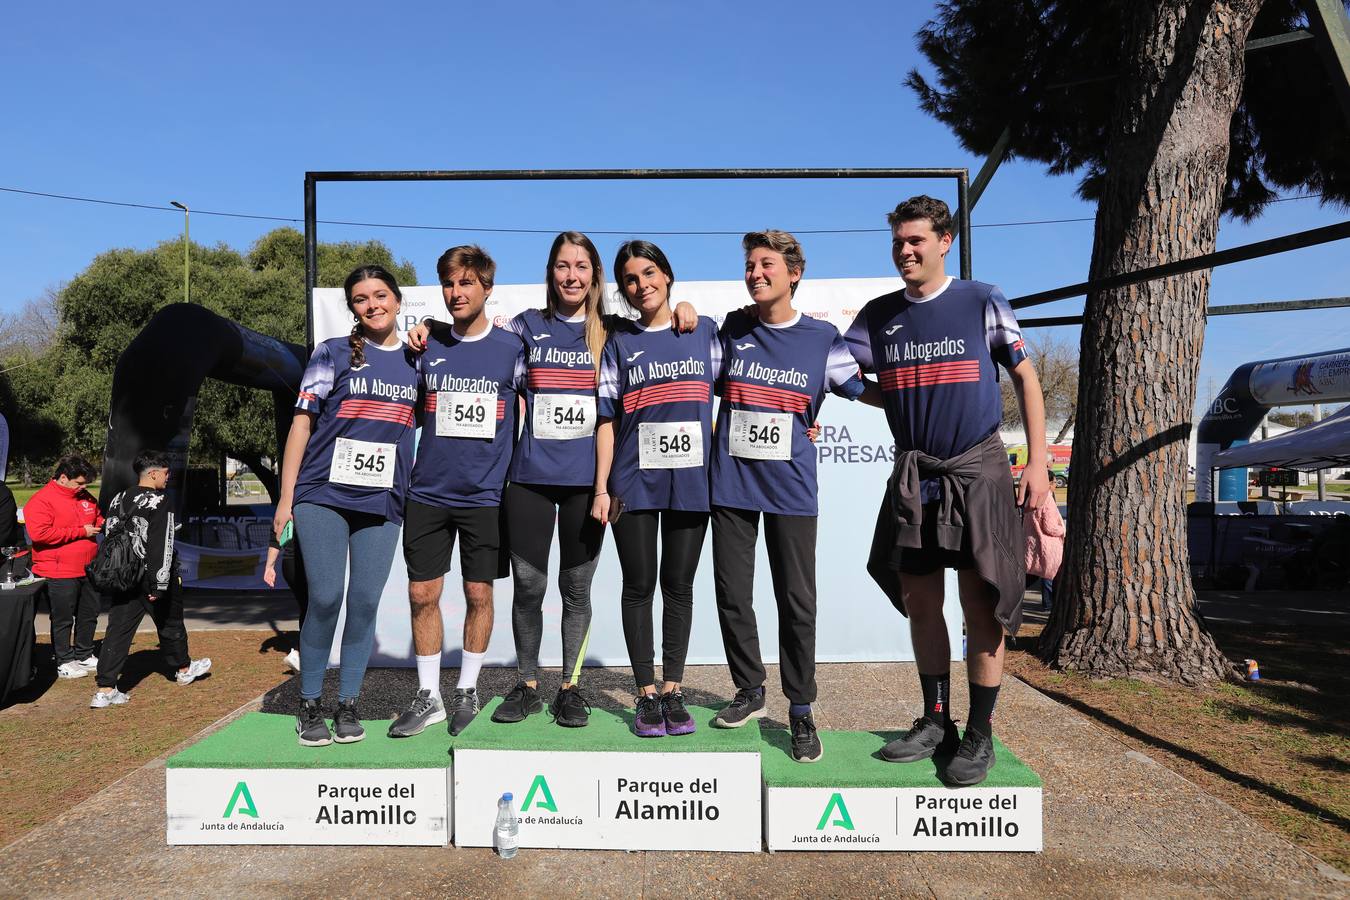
[[563, 378], [770, 397], [960, 372], [429, 405], [377, 410], [670, 392], [306, 395]]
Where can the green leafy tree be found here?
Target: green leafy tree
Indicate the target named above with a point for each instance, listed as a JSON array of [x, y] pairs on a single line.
[[1171, 124]]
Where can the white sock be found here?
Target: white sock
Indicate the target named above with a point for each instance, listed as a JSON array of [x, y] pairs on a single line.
[[468, 669], [429, 674]]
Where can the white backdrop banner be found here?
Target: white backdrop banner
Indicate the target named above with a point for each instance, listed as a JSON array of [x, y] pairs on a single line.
[[855, 621]]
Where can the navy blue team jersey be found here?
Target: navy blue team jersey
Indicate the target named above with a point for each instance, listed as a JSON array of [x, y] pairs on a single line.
[[470, 386], [359, 456], [557, 440], [657, 387], [934, 359], [774, 382]]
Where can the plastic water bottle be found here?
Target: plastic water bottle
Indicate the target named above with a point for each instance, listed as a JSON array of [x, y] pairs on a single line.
[[508, 827]]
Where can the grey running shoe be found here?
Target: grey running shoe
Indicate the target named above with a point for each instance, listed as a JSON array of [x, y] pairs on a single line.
[[346, 725], [425, 709], [973, 760], [103, 700], [463, 706], [746, 705], [310, 727], [805, 742], [570, 708], [522, 701], [924, 739]]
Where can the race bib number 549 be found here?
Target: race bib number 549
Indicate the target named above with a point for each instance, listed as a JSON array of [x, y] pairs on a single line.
[[670, 445], [363, 463], [465, 415]]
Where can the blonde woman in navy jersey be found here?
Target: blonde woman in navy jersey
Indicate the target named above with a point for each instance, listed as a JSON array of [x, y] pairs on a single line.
[[344, 475], [651, 474]]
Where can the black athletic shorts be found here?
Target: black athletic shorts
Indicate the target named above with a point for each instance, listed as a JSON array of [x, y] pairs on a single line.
[[930, 557], [429, 537]]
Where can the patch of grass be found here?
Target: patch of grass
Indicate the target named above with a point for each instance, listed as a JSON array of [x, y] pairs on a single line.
[[1277, 749]]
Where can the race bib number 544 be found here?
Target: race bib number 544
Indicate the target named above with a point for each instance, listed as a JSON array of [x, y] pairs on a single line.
[[363, 463], [670, 445]]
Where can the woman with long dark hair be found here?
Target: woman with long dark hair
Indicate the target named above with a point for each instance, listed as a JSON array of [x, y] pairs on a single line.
[[651, 473], [344, 475]]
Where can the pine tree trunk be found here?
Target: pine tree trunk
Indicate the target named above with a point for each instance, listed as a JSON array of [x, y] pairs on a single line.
[[1128, 607]]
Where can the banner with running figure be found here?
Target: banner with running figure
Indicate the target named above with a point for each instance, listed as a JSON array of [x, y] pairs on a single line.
[[855, 621]]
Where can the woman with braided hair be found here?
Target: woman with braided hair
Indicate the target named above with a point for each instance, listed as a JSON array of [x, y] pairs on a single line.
[[344, 475]]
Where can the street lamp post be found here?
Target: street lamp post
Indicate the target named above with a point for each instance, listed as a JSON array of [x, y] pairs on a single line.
[[187, 248]]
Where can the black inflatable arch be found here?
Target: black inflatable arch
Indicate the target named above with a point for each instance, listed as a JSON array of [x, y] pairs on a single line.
[[155, 384]]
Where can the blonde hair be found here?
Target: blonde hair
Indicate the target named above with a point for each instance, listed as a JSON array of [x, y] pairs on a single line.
[[595, 323]]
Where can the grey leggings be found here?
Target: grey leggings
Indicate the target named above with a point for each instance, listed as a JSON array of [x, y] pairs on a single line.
[[531, 510]]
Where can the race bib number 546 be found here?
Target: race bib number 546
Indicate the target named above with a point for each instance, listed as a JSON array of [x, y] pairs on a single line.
[[757, 435], [670, 445], [363, 463]]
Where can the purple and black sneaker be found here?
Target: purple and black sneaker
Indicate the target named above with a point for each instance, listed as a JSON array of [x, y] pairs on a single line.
[[649, 722], [678, 720]]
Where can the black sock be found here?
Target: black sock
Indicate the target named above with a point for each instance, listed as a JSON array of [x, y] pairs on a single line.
[[982, 700], [937, 691]]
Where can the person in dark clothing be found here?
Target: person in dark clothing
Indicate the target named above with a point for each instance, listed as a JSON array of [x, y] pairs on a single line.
[[11, 535], [144, 511]]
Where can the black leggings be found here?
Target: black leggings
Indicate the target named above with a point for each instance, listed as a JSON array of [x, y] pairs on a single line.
[[530, 511], [682, 536]]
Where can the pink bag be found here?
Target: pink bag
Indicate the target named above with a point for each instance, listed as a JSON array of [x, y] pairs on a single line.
[[1044, 527]]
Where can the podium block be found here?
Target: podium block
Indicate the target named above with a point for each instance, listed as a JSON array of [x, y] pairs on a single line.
[[602, 787], [252, 783], [852, 799]]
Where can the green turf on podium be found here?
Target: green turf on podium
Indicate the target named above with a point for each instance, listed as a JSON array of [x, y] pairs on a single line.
[[852, 799], [259, 740], [252, 783], [608, 731], [603, 787]]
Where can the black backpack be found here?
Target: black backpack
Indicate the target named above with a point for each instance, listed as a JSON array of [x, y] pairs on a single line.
[[116, 568]]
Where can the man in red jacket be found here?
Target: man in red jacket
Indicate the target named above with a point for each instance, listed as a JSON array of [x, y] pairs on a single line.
[[62, 519]]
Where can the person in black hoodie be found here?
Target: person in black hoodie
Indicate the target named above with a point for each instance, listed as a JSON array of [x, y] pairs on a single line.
[[144, 510]]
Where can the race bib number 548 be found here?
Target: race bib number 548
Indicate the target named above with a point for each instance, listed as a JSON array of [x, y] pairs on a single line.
[[363, 463], [670, 445]]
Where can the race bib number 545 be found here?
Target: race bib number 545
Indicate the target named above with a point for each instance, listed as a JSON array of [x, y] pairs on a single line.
[[363, 463], [670, 445]]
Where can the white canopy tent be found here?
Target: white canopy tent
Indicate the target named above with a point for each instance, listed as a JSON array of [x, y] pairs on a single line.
[[1321, 445]]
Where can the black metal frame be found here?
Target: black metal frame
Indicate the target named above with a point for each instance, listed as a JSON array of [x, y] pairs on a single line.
[[312, 180]]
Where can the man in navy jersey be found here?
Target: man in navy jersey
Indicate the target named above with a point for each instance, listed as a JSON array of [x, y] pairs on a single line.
[[950, 500], [471, 375], [779, 364]]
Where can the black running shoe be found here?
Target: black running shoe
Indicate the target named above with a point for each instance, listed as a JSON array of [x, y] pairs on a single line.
[[522, 701], [805, 742], [746, 705], [346, 726], [648, 720], [462, 707], [973, 760], [570, 708], [924, 739], [678, 720], [310, 727]]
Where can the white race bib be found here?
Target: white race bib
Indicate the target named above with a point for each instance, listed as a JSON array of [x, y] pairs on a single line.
[[463, 414], [759, 435], [564, 417], [363, 463], [670, 445]]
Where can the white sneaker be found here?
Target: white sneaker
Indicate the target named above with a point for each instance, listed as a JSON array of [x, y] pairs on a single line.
[[71, 670], [90, 663], [113, 698], [293, 660], [196, 669]]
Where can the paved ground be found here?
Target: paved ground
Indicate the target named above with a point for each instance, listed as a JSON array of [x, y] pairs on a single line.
[[1117, 824]]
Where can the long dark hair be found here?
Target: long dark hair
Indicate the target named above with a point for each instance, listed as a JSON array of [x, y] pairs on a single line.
[[360, 274], [629, 250]]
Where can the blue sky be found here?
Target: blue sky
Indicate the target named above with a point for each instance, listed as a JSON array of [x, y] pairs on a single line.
[[226, 108]]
